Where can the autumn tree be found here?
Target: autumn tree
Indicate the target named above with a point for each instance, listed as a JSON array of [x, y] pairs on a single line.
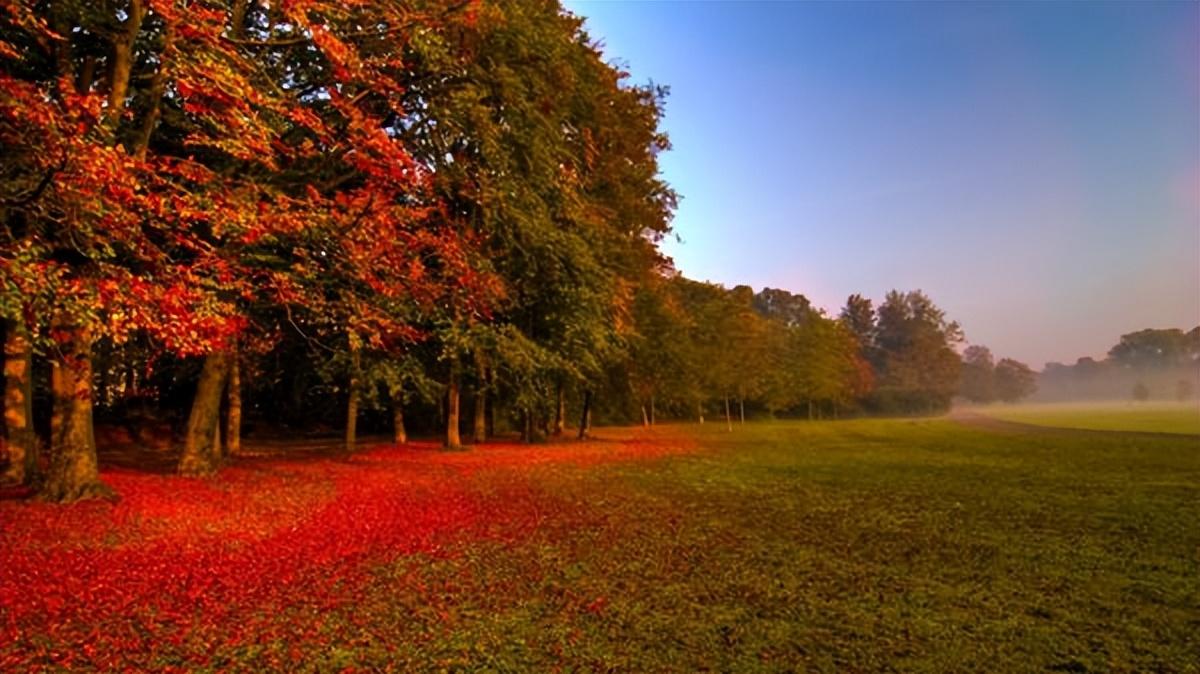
[[917, 365], [978, 382], [1014, 380]]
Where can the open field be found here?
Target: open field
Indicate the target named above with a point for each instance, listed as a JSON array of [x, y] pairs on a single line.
[[1147, 417], [914, 545]]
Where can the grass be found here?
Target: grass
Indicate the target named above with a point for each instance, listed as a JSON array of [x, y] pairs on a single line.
[[1147, 417], [913, 545]]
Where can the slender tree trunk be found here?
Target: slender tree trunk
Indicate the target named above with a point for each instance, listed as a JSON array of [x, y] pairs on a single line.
[[452, 439], [352, 401], [560, 410], [74, 473], [700, 412], [728, 419], [810, 411], [158, 87], [741, 409], [102, 363], [645, 418], [479, 420], [399, 433], [201, 446], [526, 426], [652, 411], [585, 417], [18, 405], [233, 419], [121, 65]]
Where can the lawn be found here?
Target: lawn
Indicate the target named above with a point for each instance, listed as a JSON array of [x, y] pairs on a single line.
[[841, 546], [1147, 417]]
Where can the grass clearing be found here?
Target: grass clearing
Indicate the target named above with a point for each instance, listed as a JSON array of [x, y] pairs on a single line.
[[897, 545], [1147, 417]]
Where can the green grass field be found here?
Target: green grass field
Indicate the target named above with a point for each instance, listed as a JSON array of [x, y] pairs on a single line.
[[874, 545], [1149, 417], [880, 545]]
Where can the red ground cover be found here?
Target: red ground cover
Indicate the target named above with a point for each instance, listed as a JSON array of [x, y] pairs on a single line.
[[190, 565]]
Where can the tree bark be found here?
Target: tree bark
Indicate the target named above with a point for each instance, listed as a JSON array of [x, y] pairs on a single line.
[[158, 87], [479, 421], [452, 439], [122, 64], [645, 418], [352, 401], [18, 405], [399, 433], [560, 410], [585, 417], [233, 419], [201, 446], [728, 419], [742, 410], [74, 472]]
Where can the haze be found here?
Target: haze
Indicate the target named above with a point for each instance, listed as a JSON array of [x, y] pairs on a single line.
[[1034, 167]]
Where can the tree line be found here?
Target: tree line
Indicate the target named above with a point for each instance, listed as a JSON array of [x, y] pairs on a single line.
[[434, 216], [1161, 364]]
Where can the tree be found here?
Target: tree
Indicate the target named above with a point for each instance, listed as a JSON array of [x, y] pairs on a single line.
[[978, 375], [918, 367], [1140, 392], [1014, 380], [1151, 349]]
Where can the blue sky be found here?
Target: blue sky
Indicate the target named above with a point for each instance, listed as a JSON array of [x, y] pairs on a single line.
[[1034, 167]]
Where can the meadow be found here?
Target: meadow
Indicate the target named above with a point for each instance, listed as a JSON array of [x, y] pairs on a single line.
[[872, 545], [1145, 417]]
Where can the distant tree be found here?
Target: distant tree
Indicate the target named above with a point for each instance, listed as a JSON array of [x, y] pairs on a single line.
[[1014, 380], [859, 317], [1184, 390], [1140, 392], [783, 306], [915, 358], [978, 375], [1151, 349]]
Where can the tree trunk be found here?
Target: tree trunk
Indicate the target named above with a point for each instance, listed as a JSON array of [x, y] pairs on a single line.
[[74, 473], [352, 401], [560, 410], [233, 419], [700, 411], [399, 433], [452, 439], [728, 419], [122, 64], [585, 417], [742, 409], [201, 446], [479, 419], [645, 418], [652, 411], [810, 411], [18, 405], [479, 422], [526, 426]]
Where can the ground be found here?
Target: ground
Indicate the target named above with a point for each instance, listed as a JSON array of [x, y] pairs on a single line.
[[901, 545]]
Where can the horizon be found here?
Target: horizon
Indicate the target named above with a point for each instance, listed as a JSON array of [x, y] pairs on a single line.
[[1009, 151]]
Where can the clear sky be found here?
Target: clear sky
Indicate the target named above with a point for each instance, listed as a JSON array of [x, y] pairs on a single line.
[[1033, 166]]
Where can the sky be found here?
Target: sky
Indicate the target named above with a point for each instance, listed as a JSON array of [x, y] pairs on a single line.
[[1034, 167]]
